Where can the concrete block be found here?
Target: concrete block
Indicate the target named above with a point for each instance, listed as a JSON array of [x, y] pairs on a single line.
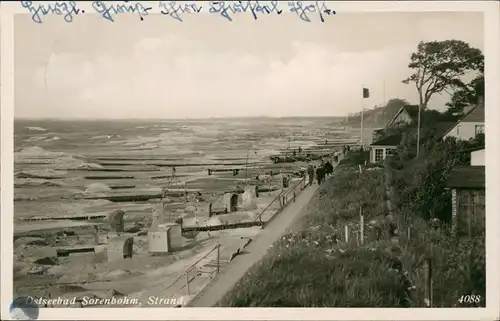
[[115, 219], [159, 240], [175, 234], [249, 197], [120, 247]]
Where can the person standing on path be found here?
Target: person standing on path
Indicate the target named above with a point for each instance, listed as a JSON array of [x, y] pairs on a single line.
[[310, 173], [320, 174], [328, 168]]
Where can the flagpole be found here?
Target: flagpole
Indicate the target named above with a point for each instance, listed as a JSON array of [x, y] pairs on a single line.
[[362, 116], [362, 112], [418, 128]]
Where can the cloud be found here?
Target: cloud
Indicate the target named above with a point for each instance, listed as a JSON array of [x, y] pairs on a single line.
[[176, 77]]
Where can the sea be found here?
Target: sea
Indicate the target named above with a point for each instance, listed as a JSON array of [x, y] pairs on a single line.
[[57, 163]]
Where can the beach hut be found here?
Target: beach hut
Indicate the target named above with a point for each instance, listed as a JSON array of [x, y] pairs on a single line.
[[467, 185], [230, 201]]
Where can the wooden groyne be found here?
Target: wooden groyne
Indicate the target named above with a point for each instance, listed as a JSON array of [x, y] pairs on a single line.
[[110, 169], [221, 227], [174, 164], [77, 217], [132, 197], [103, 177]]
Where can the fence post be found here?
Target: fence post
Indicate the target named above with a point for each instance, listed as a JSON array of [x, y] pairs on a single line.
[[187, 281], [429, 281], [346, 234], [362, 227], [408, 233], [294, 196], [218, 257]]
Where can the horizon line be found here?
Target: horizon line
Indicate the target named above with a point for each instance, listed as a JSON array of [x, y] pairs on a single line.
[[184, 119]]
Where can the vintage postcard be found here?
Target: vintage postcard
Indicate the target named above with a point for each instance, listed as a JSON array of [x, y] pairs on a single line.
[[294, 159]]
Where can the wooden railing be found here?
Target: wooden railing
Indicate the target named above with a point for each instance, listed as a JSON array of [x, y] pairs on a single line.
[[185, 274], [284, 199]]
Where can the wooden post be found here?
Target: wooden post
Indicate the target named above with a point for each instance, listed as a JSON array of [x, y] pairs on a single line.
[[360, 171], [96, 236], [187, 282], [409, 233], [429, 281], [346, 234], [361, 227], [294, 196], [218, 257]]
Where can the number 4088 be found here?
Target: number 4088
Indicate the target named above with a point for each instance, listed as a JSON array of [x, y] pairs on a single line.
[[469, 299]]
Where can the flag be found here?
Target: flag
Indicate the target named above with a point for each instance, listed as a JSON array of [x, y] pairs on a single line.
[[366, 93]]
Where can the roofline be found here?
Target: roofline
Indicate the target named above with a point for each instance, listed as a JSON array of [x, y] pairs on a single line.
[[395, 146], [450, 129], [475, 149], [395, 116], [466, 187], [461, 120]]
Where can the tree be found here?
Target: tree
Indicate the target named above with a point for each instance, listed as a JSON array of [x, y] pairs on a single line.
[[466, 96], [441, 65]]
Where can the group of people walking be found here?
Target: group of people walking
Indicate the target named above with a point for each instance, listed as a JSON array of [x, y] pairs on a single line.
[[320, 172]]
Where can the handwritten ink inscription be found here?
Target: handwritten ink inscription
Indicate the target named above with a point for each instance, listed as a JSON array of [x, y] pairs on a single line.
[[176, 9], [67, 9], [302, 9], [226, 8], [108, 10]]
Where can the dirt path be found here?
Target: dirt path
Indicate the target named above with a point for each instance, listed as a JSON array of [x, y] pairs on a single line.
[[254, 252]]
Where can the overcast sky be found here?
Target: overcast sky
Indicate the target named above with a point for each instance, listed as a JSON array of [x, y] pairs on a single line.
[[209, 67]]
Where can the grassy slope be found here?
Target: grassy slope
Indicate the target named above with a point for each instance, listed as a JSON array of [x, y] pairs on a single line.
[[306, 268]]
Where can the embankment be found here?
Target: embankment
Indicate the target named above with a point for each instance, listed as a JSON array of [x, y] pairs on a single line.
[[316, 265], [324, 262]]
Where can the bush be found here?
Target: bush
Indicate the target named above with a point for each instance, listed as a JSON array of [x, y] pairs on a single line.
[[458, 266], [459, 263]]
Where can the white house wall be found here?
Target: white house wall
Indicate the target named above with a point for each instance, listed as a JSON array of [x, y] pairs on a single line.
[[477, 158], [464, 131]]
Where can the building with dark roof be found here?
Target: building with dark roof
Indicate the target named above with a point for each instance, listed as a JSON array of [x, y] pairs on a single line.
[[467, 184], [471, 125], [406, 115], [381, 148]]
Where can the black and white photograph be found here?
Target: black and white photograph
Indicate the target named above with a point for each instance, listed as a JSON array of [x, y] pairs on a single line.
[[243, 162]]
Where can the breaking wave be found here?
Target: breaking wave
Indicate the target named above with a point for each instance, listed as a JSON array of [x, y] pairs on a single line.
[[36, 129], [54, 160], [33, 182], [97, 188]]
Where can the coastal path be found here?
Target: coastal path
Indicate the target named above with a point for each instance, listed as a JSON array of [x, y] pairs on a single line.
[[254, 252]]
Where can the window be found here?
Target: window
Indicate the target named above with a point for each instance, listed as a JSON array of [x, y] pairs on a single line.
[[379, 154], [479, 129], [388, 151]]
